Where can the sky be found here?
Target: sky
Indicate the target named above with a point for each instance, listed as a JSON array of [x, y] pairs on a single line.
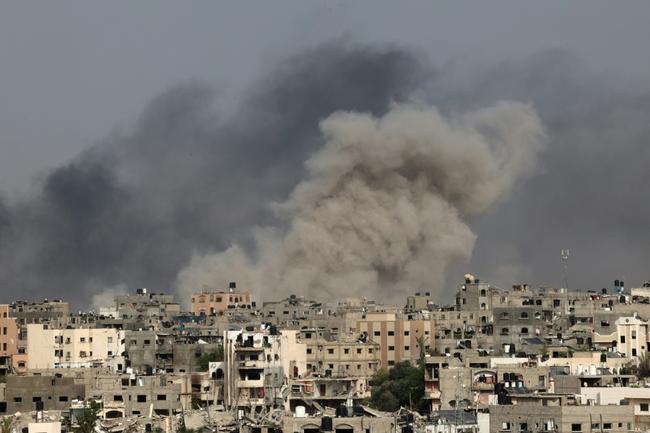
[[76, 75]]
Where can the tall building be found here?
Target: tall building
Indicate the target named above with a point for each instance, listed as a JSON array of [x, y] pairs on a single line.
[[8, 339], [83, 347], [398, 335], [210, 303]]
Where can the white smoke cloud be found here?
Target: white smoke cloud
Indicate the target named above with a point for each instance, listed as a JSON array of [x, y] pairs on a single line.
[[106, 297], [384, 206]]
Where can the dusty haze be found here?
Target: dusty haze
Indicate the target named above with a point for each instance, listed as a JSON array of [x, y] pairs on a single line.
[[382, 210]]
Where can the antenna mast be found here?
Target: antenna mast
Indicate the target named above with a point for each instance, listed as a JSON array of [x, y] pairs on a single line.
[[564, 255]]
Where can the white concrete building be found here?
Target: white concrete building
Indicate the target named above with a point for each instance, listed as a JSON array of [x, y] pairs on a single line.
[[629, 336], [68, 348]]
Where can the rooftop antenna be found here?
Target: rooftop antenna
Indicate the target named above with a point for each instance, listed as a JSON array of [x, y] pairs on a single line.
[[564, 255]]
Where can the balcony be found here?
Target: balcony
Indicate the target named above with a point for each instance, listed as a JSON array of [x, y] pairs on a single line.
[[250, 383], [254, 364]]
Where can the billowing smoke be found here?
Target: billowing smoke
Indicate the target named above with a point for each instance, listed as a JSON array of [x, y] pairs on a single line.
[[382, 210], [190, 179], [188, 175]]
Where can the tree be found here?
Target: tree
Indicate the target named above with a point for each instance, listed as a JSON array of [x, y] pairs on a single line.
[[403, 385], [207, 358], [643, 369], [88, 417], [6, 424], [422, 344]]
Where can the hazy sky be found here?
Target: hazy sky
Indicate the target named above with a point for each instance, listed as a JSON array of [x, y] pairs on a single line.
[[74, 72]]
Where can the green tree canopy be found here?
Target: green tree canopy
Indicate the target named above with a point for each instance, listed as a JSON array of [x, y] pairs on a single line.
[[403, 385]]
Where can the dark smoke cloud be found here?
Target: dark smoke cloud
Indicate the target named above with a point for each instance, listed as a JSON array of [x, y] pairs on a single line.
[[134, 207], [591, 196]]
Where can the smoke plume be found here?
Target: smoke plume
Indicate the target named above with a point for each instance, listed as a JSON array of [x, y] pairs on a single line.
[[187, 176], [384, 203], [189, 179]]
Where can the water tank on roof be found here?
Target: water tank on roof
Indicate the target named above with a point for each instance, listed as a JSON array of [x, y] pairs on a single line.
[[300, 412]]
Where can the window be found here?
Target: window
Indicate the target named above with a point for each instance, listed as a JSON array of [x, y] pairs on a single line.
[[161, 397], [576, 427], [391, 333], [607, 426], [523, 315], [524, 331], [36, 399], [330, 351], [633, 335], [523, 427], [377, 333], [359, 350], [142, 398], [407, 348], [644, 407], [505, 426], [63, 398], [346, 351], [622, 338], [118, 397], [147, 342], [110, 339], [407, 333], [18, 399], [82, 339], [391, 348], [308, 351]]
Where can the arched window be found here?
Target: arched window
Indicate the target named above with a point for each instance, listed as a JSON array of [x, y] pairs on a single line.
[[524, 315]]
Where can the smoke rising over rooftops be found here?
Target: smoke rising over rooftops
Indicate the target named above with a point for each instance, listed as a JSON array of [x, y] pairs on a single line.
[[382, 210], [187, 181]]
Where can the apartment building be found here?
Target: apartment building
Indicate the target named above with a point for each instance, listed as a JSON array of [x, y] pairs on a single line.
[[627, 335], [23, 393], [342, 357], [398, 335], [145, 304], [257, 362], [81, 347], [8, 339], [210, 303], [127, 395], [551, 414]]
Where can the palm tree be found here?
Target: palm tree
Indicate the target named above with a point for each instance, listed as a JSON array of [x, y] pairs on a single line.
[[6, 424], [422, 344], [643, 369]]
